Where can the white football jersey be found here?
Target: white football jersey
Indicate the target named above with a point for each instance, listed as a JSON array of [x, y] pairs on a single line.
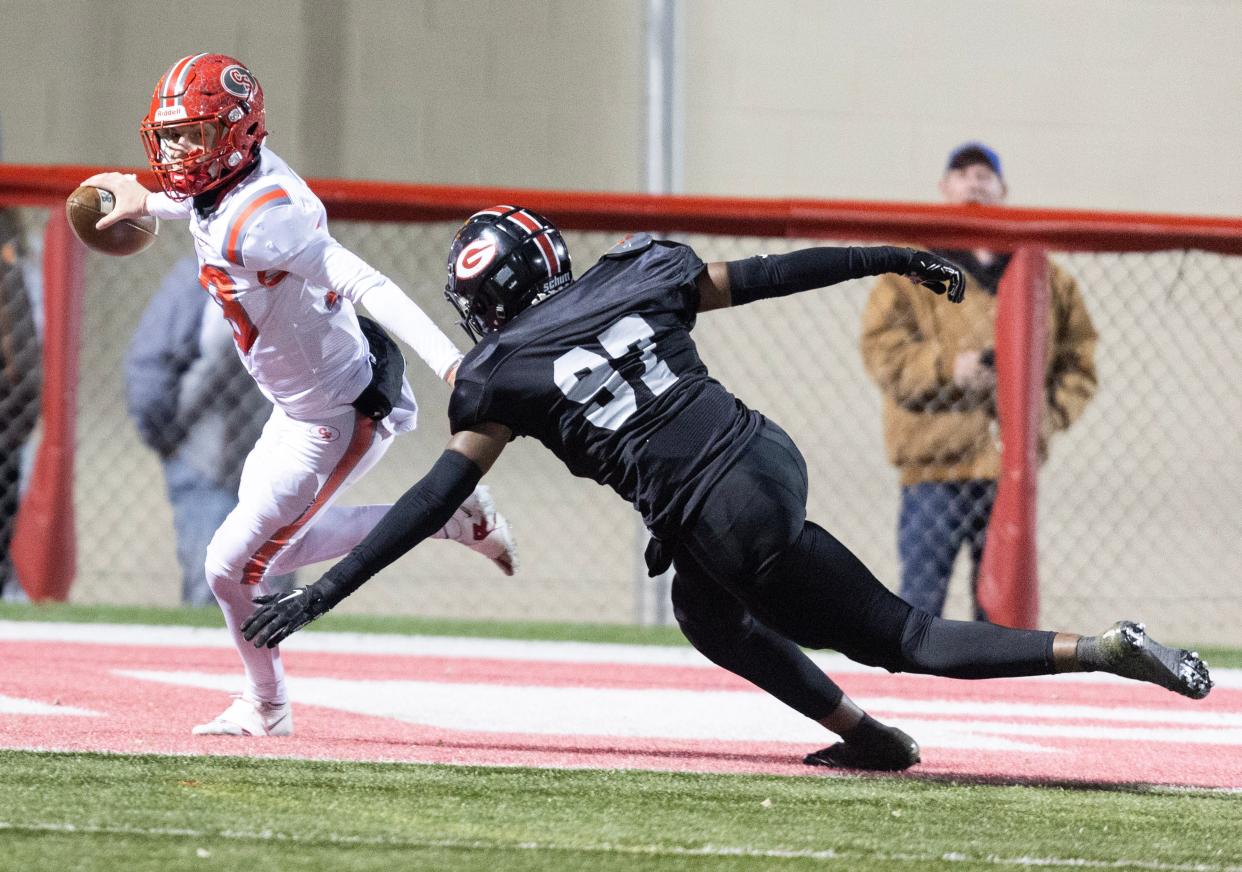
[[286, 287]]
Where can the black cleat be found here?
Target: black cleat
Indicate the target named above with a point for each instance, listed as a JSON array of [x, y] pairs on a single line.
[[1127, 650], [885, 750]]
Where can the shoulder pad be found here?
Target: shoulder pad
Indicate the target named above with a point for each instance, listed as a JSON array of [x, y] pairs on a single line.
[[633, 244], [476, 362], [267, 228]]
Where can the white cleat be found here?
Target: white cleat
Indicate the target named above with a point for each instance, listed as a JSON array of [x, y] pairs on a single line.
[[248, 718], [479, 527]]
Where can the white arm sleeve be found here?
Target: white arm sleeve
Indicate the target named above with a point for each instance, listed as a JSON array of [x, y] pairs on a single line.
[[328, 263], [406, 320], [162, 206]]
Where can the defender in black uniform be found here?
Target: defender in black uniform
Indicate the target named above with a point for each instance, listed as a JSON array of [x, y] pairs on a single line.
[[604, 373]]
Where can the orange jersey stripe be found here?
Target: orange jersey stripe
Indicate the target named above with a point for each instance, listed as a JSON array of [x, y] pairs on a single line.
[[235, 236], [364, 429]]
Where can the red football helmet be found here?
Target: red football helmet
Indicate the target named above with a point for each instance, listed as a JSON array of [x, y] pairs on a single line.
[[223, 98]]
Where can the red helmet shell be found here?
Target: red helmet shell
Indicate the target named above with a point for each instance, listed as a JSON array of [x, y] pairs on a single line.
[[223, 97]]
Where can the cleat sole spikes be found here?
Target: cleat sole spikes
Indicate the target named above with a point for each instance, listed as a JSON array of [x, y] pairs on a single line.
[[1131, 653]]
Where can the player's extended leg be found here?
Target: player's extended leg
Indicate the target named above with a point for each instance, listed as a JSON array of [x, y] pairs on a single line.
[[720, 627], [292, 475], [476, 525], [822, 596], [751, 537]]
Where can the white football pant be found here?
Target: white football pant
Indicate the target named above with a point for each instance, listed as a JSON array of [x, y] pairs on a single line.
[[285, 519]]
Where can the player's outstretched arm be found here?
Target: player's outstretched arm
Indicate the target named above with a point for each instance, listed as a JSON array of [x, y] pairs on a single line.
[[331, 265], [406, 320], [736, 282], [421, 511]]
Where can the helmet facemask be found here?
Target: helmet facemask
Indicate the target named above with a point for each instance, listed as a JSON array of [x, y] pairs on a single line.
[[186, 172], [482, 313]]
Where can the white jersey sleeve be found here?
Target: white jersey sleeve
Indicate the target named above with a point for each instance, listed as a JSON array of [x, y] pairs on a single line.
[[276, 235], [327, 263], [165, 208]]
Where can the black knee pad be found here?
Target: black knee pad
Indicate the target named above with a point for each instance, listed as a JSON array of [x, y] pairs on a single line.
[[708, 614], [713, 636], [820, 595], [913, 637]]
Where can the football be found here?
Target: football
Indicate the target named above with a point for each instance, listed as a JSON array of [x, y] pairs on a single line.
[[88, 204]]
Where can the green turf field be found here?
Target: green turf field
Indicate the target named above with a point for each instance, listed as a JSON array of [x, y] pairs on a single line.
[[80, 811]]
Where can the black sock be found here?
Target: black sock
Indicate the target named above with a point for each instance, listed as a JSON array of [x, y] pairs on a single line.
[[1090, 659]]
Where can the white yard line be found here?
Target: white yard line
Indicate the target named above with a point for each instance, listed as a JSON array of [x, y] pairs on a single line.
[[12, 705], [847, 857], [453, 646], [676, 713], [1031, 711]]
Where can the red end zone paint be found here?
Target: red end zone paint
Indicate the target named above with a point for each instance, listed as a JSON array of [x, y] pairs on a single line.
[[1060, 731]]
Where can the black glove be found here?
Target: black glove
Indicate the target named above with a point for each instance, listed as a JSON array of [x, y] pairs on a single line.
[[280, 614], [933, 271]]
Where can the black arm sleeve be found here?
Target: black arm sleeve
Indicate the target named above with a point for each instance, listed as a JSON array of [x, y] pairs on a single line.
[[777, 275], [421, 511]]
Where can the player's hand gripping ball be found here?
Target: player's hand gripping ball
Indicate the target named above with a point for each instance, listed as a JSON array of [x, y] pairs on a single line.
[[88, 204]]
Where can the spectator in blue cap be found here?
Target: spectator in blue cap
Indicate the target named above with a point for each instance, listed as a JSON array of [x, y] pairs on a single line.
[[934, 364], [974, 154]]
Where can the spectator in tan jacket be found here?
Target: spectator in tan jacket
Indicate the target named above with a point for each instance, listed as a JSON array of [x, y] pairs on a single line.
[[934, 363]]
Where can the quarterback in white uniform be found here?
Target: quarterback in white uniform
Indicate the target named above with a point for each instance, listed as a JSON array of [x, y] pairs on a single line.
[[288, 290]]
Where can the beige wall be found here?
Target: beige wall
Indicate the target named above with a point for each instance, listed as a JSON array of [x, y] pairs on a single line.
[[1109, 104]]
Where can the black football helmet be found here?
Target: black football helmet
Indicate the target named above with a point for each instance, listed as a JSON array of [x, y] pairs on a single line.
[[502, 261]]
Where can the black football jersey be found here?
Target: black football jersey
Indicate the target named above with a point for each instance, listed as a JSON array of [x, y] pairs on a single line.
[[605, 374]]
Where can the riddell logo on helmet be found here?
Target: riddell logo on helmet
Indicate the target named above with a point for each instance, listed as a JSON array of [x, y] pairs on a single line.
[[474, 258], [170, 113], [237, 80]]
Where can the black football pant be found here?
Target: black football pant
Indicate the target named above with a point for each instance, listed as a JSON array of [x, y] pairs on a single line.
[[755, 580]]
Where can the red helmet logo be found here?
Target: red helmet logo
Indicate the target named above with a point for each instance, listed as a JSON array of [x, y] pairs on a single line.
[[474, 258]]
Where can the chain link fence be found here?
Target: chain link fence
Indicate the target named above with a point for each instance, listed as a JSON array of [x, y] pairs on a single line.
[[21, 373], [1138, 500]]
